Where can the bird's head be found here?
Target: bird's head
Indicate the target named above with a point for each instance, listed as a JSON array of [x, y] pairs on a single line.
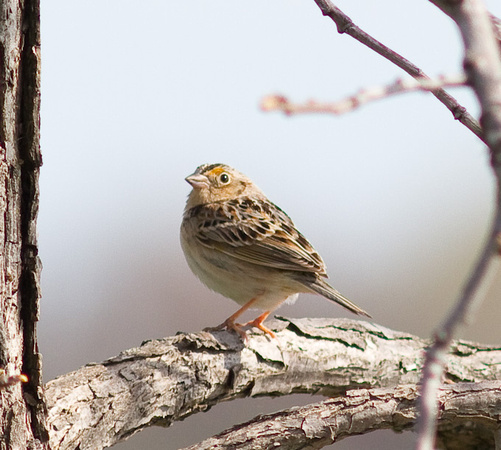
[[213, 183]]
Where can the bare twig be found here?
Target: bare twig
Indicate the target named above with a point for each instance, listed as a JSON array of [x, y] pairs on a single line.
[[320, 424], [437, 353], [346, 25], [281, 103], [9, 380], [483, 66]]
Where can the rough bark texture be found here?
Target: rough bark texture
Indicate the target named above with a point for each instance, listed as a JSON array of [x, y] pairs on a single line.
[[468, 419], [167, 380], [21, 416]]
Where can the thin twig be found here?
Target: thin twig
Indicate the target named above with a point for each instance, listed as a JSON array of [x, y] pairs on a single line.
[[436, 355], [483, 66], [401, 86], [345, 25]]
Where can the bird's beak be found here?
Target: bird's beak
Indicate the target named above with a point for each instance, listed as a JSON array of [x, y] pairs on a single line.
[[198, 181]]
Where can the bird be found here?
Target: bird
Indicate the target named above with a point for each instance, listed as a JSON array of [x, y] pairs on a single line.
[[243, 246]]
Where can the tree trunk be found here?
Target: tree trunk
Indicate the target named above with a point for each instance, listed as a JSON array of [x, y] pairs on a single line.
[[22, 412]]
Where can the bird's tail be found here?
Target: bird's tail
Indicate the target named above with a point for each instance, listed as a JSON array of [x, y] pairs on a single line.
[[323, 288]]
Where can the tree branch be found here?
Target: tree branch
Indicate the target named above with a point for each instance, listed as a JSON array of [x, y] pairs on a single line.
[[401, 86], [469, 419], [346, 25], [169, 379], [448, 7], [483, 66]]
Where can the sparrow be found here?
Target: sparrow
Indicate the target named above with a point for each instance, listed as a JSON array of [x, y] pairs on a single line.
[[243, 246]]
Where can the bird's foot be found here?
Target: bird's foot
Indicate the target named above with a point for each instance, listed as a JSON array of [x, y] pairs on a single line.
[[230, 325], [258, 323]]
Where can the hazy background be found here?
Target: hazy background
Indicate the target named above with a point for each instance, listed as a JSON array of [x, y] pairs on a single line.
[[135, 95]]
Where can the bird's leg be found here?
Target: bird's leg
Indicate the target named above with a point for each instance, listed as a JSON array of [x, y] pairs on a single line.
[[230, 324], [258, 323]]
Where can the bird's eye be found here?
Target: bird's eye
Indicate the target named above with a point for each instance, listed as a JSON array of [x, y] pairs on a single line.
[[224, 178]]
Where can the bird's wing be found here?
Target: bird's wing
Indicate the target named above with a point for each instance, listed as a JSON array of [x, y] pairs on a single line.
[[256, 231]]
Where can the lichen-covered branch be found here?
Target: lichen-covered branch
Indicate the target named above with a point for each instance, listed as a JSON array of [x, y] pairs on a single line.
[[167, 380]]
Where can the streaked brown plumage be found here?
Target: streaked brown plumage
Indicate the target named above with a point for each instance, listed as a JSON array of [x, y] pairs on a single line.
[[245, 247]]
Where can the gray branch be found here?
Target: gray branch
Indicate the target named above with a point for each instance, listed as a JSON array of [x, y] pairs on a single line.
[[169, 379], [468, 419], [482, 64], [346, 25]]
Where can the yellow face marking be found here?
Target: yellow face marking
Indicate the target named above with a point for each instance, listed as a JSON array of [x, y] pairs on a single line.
[[217, 171]]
